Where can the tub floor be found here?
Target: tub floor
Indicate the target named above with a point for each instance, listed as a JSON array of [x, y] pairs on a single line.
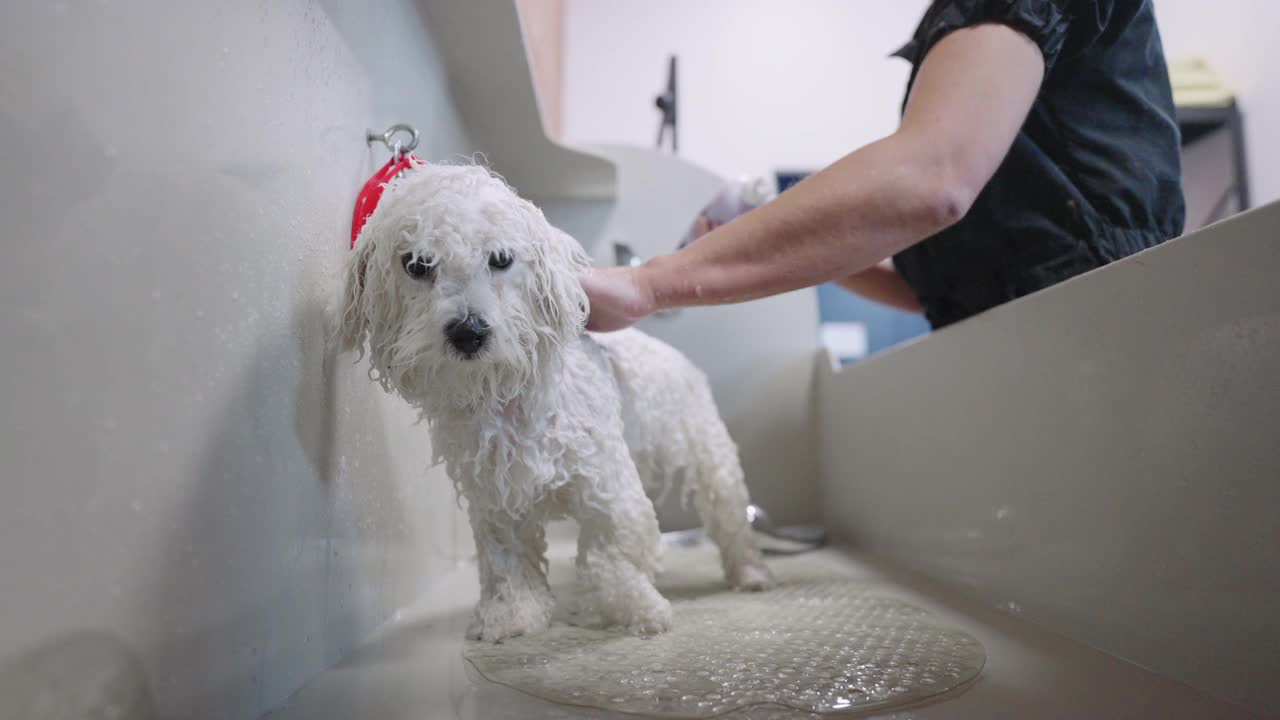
[[414, 668]]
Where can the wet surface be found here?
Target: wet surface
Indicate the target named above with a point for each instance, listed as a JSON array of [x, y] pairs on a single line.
[[415, 668]]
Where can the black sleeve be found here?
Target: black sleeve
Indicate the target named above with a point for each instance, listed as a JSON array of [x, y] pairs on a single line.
[[1048, 23]]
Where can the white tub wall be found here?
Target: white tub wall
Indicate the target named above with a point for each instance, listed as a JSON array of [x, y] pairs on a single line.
[[182, 469], [1100, 457]]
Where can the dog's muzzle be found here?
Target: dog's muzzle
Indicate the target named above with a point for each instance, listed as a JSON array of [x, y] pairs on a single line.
[[467, 335]]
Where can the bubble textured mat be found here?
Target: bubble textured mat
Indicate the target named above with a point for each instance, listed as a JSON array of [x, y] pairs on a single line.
[[812, 645]]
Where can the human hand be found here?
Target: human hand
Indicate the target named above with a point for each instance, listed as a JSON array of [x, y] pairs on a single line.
[[618, 298]]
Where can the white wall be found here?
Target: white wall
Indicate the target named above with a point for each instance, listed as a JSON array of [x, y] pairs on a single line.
[[768, 84], [1237, 37], [764, 84], [185, 470]]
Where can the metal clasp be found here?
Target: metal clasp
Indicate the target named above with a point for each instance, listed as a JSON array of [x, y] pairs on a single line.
[[398, 149]]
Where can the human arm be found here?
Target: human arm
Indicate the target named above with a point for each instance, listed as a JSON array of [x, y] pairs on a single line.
[[882, 283], [971, 96]]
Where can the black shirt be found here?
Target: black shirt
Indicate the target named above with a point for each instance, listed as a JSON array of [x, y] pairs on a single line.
[[1093, 175]]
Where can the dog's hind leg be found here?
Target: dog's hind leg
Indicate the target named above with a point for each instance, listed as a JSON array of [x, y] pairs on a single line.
[[618, 550], [515, 598], [714, 475]]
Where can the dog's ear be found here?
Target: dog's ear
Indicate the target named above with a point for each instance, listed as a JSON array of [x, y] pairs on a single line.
[[353, 316], [557, 294]]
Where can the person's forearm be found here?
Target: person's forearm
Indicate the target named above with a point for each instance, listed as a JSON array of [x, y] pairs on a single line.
[[838, 222], [883, 284], [970, 97]]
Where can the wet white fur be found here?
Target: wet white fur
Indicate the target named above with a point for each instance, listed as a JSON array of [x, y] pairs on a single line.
[[548, 421]]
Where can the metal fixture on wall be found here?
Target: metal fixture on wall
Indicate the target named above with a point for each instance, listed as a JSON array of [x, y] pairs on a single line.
[[667, 103], [397, 148]]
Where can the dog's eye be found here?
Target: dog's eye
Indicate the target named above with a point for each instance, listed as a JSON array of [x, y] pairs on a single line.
[[417, 266], [500, 260]]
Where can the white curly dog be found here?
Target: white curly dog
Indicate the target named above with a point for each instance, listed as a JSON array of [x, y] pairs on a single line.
[[469, 302]]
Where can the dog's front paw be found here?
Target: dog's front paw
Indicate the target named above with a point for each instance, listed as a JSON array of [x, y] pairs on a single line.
[[656, 620], [637, 608], [495, 620], [751, 577]]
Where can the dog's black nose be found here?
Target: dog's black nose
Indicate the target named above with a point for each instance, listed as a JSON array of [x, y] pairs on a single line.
[[467, 335]]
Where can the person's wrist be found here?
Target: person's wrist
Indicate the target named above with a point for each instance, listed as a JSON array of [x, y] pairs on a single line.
[[644, 276]]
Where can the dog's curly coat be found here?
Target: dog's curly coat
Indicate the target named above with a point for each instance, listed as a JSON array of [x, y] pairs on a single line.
[[534, 418]]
